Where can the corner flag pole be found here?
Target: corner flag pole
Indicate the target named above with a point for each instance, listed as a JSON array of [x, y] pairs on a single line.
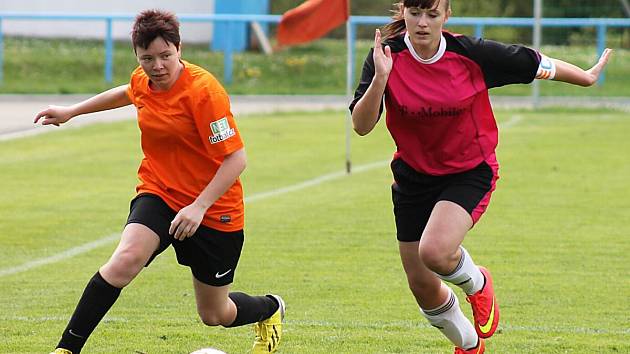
[[349, 69]]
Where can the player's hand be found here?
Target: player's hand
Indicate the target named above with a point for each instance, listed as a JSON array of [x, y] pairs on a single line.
[[54, 115], [187, 221], [596, 70], [382, 57]]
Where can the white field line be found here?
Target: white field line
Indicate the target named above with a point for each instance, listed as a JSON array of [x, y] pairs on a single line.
[[514, 120], [315, 181], [59, 256], [41, 319], [111, 238], [419, 325], [263, 195]]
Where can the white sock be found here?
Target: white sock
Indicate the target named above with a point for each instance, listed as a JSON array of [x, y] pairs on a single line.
[[466, 275], [450, 320]]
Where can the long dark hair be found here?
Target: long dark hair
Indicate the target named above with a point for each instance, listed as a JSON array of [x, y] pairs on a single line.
[[395, 27]]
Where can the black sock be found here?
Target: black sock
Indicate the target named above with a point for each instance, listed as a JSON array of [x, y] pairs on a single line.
[[98, 297], [251, 309]]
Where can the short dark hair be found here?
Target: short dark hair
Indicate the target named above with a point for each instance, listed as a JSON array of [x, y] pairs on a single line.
[[151, 24], [394, 28], [423, 4]]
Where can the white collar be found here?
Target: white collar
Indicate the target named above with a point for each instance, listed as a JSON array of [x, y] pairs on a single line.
[[435, 58]]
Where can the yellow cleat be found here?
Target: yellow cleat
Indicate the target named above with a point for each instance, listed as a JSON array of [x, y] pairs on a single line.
[[269, 331], [61, 351]]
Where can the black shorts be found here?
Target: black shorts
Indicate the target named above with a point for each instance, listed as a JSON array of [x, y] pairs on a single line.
[[212, 255], [415, 194]]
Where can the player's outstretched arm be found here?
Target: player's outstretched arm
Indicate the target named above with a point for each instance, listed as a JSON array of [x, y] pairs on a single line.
[[572, 74], [110, 99]]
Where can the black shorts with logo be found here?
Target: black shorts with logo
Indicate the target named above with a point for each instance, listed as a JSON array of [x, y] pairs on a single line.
[[415, 194], [212, 255]]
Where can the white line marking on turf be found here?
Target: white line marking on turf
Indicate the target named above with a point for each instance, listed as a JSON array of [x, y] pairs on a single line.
[[315, 181], [393, 325], [106, 240], [424, 325], [515, 119], [55, 319], [59, 256]]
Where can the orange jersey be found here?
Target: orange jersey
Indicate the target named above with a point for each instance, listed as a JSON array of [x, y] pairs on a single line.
[[186, 133]]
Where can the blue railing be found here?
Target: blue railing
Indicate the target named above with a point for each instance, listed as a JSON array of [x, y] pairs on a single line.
[[479, 23], [109, 40]]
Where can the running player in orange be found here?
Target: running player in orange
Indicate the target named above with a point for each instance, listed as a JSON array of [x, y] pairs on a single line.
[[189, 195], [435, 87]]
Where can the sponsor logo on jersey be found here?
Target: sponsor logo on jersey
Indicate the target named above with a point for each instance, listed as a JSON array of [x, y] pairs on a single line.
[[431, 112], [221, 131]]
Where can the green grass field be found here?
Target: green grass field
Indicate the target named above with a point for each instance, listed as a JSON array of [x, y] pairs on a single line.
[[77, 66], [555, 237]]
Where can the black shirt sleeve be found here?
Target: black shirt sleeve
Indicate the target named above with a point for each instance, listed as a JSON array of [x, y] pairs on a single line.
[[502, 64], [366, 79]]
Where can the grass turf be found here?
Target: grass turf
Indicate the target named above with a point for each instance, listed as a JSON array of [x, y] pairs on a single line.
[[555, 238]]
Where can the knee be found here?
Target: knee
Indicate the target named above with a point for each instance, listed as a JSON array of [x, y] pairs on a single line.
[[213, 319], [210, 319], [124, 266], [436, 258]]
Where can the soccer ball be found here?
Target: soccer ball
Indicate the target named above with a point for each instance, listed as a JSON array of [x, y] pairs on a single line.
[[208, 351]]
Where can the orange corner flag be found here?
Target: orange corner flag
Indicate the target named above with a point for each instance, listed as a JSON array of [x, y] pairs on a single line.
[[311, 20]]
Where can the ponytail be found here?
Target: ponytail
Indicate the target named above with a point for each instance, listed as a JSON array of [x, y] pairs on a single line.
[[397, 26], [393, 29]]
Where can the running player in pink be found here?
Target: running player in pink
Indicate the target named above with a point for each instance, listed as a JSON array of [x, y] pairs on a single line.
[[435, 87]]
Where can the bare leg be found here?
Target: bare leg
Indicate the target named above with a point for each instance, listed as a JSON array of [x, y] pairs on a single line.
[[136, 245], [213, 304]]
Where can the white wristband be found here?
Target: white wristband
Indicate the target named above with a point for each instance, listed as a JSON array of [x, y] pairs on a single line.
[[546, 69]]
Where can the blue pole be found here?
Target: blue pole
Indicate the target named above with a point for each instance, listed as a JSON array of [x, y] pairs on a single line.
[[109, 49], [1, 54], [479, 30], [601, 46], [227, 55]]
